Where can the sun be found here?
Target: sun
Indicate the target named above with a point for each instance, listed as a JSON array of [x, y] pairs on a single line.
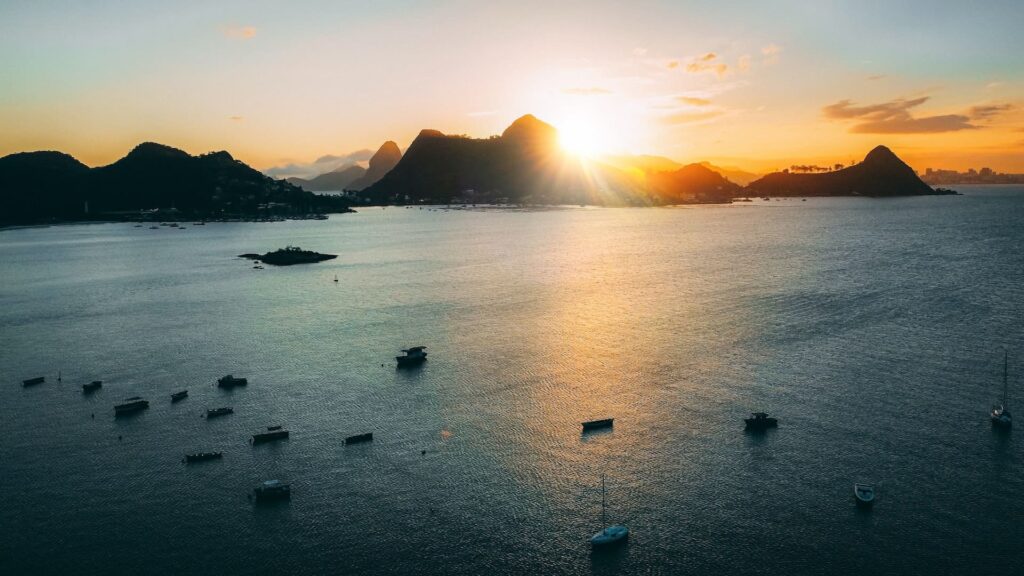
[[581, 137]]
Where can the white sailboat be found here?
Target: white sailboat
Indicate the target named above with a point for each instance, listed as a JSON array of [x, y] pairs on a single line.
[[611, 535], [1001, 417]]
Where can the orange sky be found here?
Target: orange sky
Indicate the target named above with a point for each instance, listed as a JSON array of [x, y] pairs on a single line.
[[758, 87]]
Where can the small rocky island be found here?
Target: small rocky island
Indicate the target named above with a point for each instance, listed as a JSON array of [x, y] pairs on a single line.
[[290, 255]]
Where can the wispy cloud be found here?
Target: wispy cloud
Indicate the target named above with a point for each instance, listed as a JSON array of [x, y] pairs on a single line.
[[693, 100], [707, 63], [988, 111], [639, 52], [691, 117], [895, 117], [876, 76], [743, 63], [236, 118], [590, 91], [239, 32], [770, 54], [321, 165]]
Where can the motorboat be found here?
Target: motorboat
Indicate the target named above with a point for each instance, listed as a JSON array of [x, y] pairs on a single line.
[[272, 490], [598, 424], [412, 357], [864, 493], [760, 421]]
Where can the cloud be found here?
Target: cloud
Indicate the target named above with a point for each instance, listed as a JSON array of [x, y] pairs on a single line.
[[321, 165], [771, 54], [591, 91], [639, 52], [672, 64], [690, 117], [994, 85], [988, 111], [876, 76], [236, 118], [894, 117], [693, 100], [239, 32], [743, 64], [707, 63]]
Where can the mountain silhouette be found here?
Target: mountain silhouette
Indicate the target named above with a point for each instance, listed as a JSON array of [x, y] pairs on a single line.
[[383, 160], [881, 173], [46, 185], [692, 183]]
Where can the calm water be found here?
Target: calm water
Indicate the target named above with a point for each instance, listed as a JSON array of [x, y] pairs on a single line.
[[874, 329]]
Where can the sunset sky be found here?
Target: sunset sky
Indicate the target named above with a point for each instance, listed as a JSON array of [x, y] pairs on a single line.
[[758, 85]]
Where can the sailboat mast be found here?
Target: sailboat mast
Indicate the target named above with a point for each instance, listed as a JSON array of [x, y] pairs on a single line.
[[1005, 355], [603, 521]]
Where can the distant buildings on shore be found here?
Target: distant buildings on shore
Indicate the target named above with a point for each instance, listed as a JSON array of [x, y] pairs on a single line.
[[972, 176]]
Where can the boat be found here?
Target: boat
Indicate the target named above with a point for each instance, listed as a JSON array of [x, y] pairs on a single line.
[[33, 381], [368, 437], [864, 493], [413, 356], [598, 424], [215, 412], [269, 436], [1001, 417], [760, 421], [611, 535], [272, 490], [272, 428], [92, 386], [230, 381], [178, 396], [335, 277], [130, 405], [202, 456]]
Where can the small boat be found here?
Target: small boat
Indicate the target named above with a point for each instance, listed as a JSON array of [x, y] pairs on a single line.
[[270, 436], [272, 428], [413, 356], [133, 404], [614, 534], [335, 277], [864, 493], [760, 421], [202, 456], [154, 227], [92, 386], [1001, 417], [179, 396], [368, 437], [215, 412], [598, 424], [272, 490], [230, 381], [33, 381]]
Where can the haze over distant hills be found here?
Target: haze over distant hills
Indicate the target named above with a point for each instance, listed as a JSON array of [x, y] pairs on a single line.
[[44, 185], [353, 176]]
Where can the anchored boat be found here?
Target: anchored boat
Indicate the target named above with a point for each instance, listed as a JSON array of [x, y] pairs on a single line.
[[864, 493], [269, 436], [130, 405], [33, 381], [598, 424], [202, 456], [178, 396], [760, 421], [230, 381], [368, 437], [1001, 417], [215, 412], [413, 356], [614, 534], [272, 490], [92, 386]]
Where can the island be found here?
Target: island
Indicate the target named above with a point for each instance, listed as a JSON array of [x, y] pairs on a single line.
[[288, 256]]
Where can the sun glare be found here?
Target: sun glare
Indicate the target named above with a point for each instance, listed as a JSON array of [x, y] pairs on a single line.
[[581, 138]]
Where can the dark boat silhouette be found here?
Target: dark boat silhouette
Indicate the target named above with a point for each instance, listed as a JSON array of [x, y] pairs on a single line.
[[130, 405], [33, 381], [92, 386], [269, 436], [413, 356], [358, 438], [215, 412], [272, 490], [178, 396], [598, 424], [202, 456], [1000, 416], [230, 381], [760, 421]]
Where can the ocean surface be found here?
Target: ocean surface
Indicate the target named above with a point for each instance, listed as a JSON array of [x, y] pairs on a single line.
[[873, 329]]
